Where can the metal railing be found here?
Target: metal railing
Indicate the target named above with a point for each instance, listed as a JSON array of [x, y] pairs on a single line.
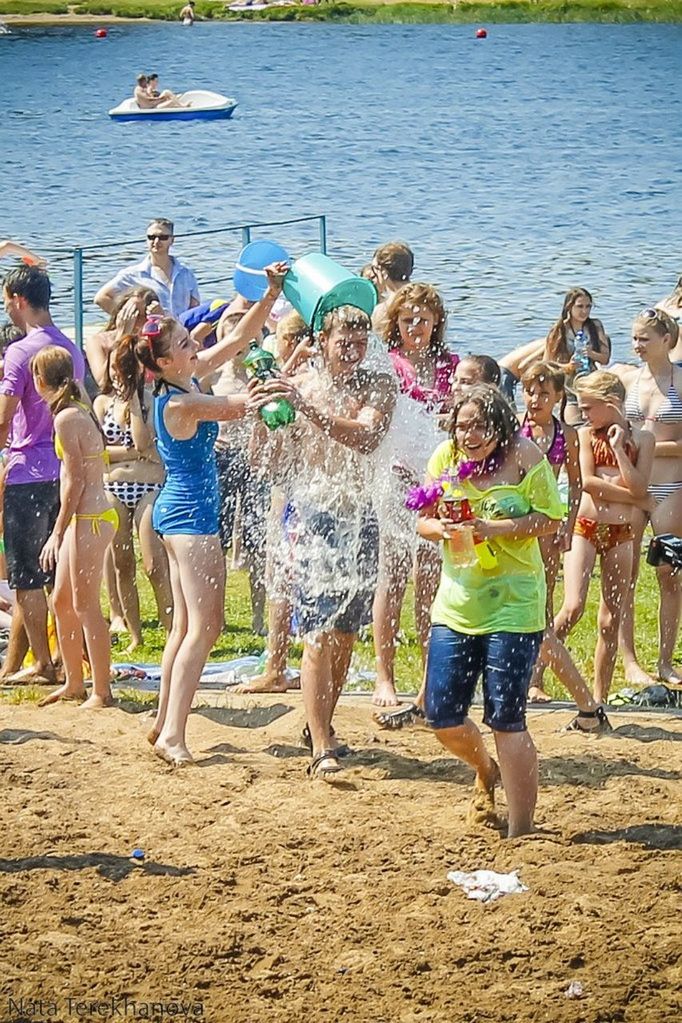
[[79, 255]]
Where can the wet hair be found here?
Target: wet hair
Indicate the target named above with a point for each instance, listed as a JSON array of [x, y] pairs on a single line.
[[146, 294], [556, 346], [31, 283], [168, 225], [141, 80], [660, 322], [292, 327], [153, 77], [495, 411], [345, 316], [54, 366], [409, 296], [487, 367], [8, 334], [544, 371], [395, 259], [602, 385]]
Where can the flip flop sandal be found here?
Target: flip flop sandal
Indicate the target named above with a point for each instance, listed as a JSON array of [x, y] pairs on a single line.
[[603, 724], [26, 677], [396, 719], [341, 751], [315, 770]]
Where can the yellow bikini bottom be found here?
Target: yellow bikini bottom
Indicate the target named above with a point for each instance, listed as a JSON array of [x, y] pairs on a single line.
[[110, 515]]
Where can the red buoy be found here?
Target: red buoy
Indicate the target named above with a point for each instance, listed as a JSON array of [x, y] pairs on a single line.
[[101, 33], [481, 33]]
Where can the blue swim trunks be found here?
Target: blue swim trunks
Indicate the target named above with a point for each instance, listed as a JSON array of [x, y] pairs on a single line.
[[334, 564]]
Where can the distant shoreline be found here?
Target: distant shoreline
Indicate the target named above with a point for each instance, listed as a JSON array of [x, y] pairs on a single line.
[[360, 12]]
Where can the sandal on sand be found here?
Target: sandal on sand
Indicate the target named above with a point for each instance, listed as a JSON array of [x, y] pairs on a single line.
[[340, 751], [325, 766], [401, 718], [603, 724], [28, 677]]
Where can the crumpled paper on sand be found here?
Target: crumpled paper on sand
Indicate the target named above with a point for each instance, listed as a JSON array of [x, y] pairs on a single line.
[[487, 885]]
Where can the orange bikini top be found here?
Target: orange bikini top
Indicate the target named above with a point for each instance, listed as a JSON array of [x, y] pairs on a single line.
[[604, 455]]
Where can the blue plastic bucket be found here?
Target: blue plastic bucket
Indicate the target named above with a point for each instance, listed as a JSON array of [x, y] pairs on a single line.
[[249, 276], [315, 285]]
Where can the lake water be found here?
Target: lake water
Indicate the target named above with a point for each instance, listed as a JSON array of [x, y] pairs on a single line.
[[543, 157]]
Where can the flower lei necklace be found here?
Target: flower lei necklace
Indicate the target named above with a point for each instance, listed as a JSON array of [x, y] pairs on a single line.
[[426, 496]]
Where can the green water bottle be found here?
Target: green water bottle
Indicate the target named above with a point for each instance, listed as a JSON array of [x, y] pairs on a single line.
[[261, 364]]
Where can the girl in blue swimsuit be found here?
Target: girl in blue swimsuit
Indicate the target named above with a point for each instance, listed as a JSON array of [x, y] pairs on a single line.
[[186, 510]]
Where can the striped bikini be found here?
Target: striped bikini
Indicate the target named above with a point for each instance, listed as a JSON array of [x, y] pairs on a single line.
[[670, 411]]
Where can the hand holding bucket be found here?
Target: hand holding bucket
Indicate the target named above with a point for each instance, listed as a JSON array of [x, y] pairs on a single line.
[[250, 278]]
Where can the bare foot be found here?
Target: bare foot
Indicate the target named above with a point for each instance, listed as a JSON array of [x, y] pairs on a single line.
[[64, 695], [97, 702], [265, 683], [384, 694], [133, 647], [117, 626], [637, 676], [667, 673], [177, 755], [152, 736], [482, 807], [538, 695]]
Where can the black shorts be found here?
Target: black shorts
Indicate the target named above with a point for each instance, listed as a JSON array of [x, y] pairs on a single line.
[[30, 512]]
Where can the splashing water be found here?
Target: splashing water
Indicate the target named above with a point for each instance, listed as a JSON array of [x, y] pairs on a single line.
[[339, 499]]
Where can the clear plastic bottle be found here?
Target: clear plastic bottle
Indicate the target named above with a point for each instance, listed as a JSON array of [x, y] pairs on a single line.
[[580, 354]]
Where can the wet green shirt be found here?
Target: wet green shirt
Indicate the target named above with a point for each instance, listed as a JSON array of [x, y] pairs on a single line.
[[510, 597]]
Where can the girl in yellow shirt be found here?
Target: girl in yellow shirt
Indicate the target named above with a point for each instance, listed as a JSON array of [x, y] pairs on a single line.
[[489, 615]]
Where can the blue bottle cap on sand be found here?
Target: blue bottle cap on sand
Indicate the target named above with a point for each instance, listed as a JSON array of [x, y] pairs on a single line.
[[138, 854]]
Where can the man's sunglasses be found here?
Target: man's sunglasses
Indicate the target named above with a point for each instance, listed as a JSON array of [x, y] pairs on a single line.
[[158, 237]]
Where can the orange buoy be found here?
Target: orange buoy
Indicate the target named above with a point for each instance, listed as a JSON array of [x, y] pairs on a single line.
[[101, 33], [481, 33]]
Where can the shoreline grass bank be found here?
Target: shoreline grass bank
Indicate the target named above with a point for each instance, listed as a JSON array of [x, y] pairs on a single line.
[[44, 12]]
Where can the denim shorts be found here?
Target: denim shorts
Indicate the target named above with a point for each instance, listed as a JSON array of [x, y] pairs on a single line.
[[455, 662]]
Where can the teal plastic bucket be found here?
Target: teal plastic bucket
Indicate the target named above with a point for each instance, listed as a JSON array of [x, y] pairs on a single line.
[[315, 284]]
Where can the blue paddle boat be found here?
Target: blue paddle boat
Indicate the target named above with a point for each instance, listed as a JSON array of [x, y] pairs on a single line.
[[200, 105]]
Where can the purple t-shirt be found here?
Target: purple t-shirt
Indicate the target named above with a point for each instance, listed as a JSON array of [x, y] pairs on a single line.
[[31, 454]]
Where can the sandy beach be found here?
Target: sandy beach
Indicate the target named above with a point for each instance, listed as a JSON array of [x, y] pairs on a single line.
[[26, 20], [265, 897]]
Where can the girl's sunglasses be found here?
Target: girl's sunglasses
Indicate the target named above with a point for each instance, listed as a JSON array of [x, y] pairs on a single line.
[[152, 327]]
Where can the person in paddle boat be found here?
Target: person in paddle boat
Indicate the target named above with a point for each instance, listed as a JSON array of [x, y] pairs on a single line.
[[654, 402], [615, 462], [141, 94], [162, 99], [85, 527], [489, 620], [186, 511]]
